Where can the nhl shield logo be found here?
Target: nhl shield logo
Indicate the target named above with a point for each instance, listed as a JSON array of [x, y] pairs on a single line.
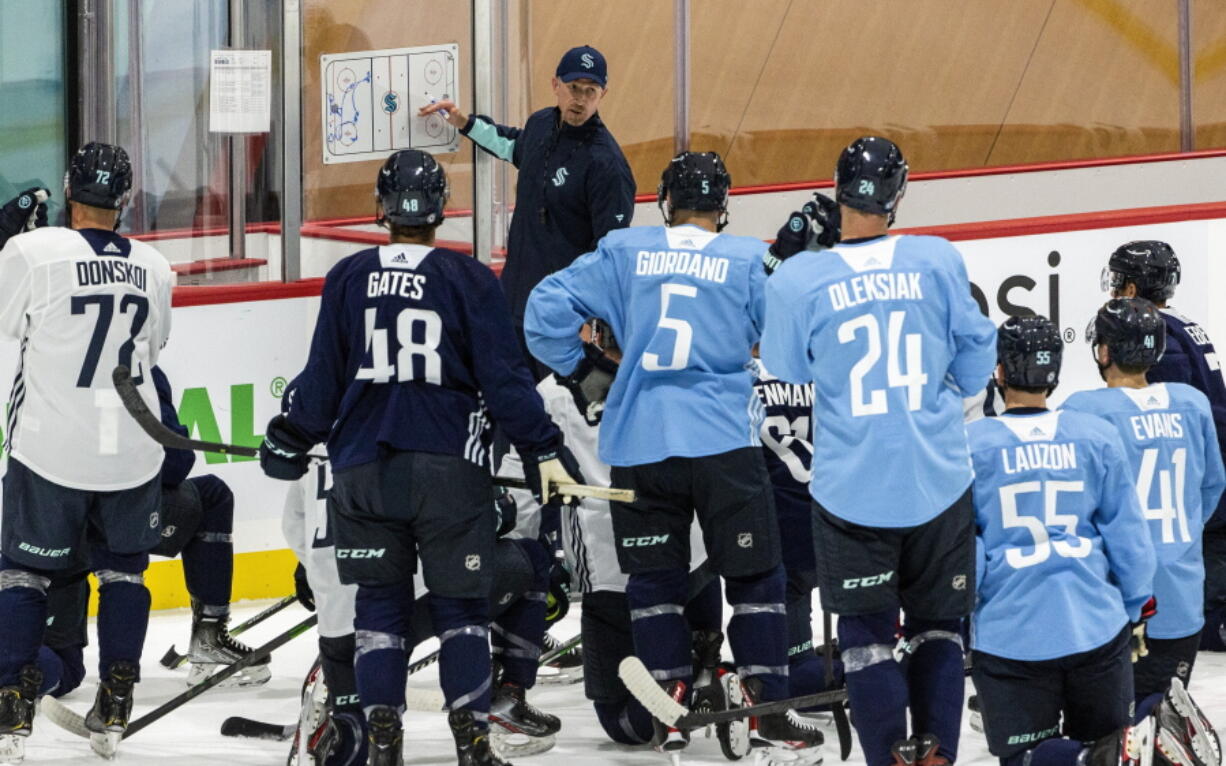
[[745, 539], [153, 520], [169, 531], [472, 562], [959, 582]]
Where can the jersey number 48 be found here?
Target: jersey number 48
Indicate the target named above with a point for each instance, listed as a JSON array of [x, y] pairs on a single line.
[[384, 368]]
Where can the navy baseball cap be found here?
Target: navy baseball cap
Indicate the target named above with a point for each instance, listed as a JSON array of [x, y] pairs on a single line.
[[581, 62]]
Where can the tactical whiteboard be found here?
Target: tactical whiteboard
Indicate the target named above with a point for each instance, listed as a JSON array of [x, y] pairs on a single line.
[[371, 98]]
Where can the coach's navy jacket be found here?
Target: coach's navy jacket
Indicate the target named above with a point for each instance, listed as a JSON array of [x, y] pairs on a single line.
[[577, 175]]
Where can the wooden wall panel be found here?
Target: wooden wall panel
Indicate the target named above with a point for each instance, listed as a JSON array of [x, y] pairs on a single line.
[[1209, 72]]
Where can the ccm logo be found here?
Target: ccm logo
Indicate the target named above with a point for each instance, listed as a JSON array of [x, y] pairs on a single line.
[[639, 542], [867, 582], [360, 553]]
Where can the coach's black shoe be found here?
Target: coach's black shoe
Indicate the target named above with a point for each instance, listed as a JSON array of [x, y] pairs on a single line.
[[510, 710], [17, 703], [472, 742], [384, 737]]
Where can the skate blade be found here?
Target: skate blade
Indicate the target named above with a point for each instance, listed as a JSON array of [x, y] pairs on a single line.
[[105, 744], [551, 676], [976, 721], [508, 745], [786, 756], [12, 748], [1205, 743], [256, 675]]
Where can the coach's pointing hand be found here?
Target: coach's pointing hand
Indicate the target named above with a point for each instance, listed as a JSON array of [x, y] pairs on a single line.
[[450, 112]]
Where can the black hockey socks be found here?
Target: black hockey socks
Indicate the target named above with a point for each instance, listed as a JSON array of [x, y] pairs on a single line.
[[337, 659], [936, 679], [123, 608], [381, 621], [705, 611], [517, 631], [657, 622], [876, 687], [208, 558], [464, 655], [757, 631], [23, 612], [627, 723]]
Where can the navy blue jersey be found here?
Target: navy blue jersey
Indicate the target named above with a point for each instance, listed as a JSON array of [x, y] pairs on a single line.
[[787, 438], [1190, 358], [412, 348], [178, 463]]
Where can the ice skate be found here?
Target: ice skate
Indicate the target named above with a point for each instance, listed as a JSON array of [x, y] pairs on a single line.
[[384, 737], [341, 741], [472, 743], [213, 647], [975, 715], [1184, 736], [781, 738], [668, 739], [1130, 746], [108, 718], [566, 668], [312, 716], [511, 710], [17, 709]]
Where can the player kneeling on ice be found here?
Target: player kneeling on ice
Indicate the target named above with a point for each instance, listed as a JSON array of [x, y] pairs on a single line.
[[1065, 570], [412, 348], [680, 428], [1171, 445], [589, 545], [80, 300]]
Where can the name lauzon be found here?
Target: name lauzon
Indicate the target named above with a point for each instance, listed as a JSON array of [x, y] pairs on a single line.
[[1053, 456]]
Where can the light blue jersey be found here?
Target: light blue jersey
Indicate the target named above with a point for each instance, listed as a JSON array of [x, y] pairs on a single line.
[[1064, 559], [892, 339], [1169, 438], [686, 307]]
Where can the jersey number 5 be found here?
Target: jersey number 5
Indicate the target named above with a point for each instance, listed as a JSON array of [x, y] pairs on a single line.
[[913, 379], [383, 368], [679, 359]]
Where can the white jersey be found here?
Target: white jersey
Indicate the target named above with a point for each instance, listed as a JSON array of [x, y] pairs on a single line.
[[305, 525], [587, 532], [80, 303]]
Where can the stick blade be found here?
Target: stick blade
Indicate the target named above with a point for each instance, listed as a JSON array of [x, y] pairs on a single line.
[[237, 726], [637, 678], [64, 717]]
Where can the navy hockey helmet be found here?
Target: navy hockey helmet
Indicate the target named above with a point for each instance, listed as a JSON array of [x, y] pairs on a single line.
[[695, 181], [1030, 349], [1149, 264], [1133, 331], [871, 176], [99, 175], [412, 189]]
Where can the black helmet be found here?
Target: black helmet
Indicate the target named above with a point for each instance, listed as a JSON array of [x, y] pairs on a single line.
[[1132, 330], [1030, 349], [99, 175], [1149, 264], [695, 181], [411, 189], [871, 176]]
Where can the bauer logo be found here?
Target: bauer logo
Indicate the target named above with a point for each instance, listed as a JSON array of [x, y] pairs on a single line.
[[360, 553], [1037, 736], [50, 553], [643, 542], [472, 562], [853, 583]]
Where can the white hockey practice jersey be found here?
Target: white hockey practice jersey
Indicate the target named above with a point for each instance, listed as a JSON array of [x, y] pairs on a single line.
[[80, 303]]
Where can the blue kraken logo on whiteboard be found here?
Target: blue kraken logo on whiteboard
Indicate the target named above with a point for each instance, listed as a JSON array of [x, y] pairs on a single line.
[[391, 102]]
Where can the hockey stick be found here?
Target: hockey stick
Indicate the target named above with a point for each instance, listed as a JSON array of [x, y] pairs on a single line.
[[172, 659], [560, 649], [151, 424], [841, 725], [637, 678]]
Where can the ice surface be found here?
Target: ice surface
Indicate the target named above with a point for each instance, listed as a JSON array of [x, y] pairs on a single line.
[[190, 734]]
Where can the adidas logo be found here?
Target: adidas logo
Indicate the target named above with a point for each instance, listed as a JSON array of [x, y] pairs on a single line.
[[687, 243], [873, 262], [400, 258], [1037, 432], [111, 248], [1152, 400]]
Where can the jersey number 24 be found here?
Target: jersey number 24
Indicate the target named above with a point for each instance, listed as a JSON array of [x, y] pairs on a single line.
[[905, 373]]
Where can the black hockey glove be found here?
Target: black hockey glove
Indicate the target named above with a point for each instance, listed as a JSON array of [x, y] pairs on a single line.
[[25, 212], [506, 510], [814, 227], [1139, 647], [302, 588], [590, 382], [283, 454], [544, 470]]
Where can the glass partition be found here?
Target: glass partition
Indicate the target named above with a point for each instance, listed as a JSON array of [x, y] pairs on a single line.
[[1209, 73]]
